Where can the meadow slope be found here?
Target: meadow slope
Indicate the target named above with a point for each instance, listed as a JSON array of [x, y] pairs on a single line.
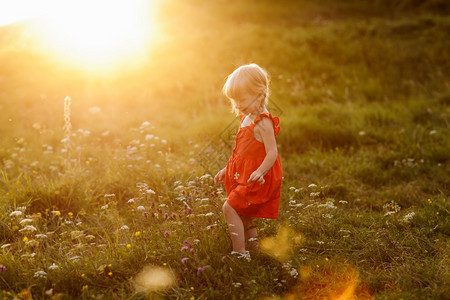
[[362, 92]]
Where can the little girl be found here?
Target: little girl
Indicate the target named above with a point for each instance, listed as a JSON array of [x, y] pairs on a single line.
[[253, 174]]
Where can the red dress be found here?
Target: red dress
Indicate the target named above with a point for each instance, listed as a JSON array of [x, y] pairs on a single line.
[[253, 199]]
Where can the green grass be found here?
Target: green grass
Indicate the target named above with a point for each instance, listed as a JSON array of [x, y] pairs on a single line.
[[363, 91]]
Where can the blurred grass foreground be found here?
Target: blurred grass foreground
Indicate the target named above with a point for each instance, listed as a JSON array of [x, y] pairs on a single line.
[[107, 194]]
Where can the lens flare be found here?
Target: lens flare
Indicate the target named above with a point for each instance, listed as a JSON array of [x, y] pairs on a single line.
[[152, 279], [282, 245]]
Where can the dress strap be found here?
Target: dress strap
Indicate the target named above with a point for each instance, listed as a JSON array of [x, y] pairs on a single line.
[[275, 121]]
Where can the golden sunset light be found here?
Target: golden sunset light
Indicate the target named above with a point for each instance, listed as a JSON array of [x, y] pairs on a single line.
[[94, 34], [224, 149]]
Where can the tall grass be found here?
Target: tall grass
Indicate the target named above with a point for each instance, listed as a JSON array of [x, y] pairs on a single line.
[[363, 92]]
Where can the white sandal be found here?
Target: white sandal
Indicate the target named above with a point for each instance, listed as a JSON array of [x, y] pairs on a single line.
[[242, 255]]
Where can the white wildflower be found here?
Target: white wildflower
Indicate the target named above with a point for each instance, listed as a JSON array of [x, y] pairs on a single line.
[[151, 192], [24, 221], [131, 201], [40, 274], [236, 284], [407, 218], [15, 213], [389, 213], [104, 207], [312, 185], [320, 242], [343, 201], [209, 214], [140, 207], [30, 228], [329, 204], [41, 236], [314, 194], [206, 176], [53, 267], [124, 227], [293, 273], [145, 124]]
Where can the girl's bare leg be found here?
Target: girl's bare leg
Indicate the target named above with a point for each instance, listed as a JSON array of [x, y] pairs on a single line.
[[236, 227], [251, 234]]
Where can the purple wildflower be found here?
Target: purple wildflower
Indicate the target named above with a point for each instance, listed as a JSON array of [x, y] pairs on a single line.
[[166, 215], [201, 269], [145, 214], [184, 248], [184, 260], [167, 233], [3, 268]]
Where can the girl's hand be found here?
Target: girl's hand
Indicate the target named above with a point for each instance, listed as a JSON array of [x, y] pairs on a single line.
[[257, 176], [219, 178]]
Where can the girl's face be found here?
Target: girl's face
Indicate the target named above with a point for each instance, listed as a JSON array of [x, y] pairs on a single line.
[[249, 104]]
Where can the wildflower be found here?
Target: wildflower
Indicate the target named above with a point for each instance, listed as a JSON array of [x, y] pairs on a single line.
[[110, 273], [40, 274], [200, 270], [53, 267], [30, 228], [15, 213], [312, 185], [124, 227], [145, 124], [293, 273], [167, 233], [128, 246], [407, 218], [137, 233], [56, 212], [151, 192], [84, 288], [70, 214], [24, 221], [184, 260], [25, 239], [236, 284], [145, 214], [131, 201], [2, 268], [140, 207], [104, 207]]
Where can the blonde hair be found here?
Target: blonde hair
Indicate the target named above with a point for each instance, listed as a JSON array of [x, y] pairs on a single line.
[[248, 80]]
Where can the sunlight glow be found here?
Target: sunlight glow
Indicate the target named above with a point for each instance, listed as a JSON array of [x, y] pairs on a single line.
[[98, 33]]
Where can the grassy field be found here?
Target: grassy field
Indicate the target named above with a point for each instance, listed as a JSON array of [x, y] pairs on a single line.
[[123, 205]]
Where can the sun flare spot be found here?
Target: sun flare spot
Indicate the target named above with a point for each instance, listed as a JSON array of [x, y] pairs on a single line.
[[98, 33]]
